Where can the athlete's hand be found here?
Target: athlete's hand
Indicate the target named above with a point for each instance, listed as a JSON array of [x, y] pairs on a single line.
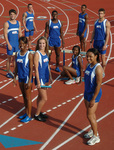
[[36, 31], [27, 30], [91, 103], [63, 44], [38, 86], [104, 47], [28, 86], [9, 47], [77, 33], [82, 35]]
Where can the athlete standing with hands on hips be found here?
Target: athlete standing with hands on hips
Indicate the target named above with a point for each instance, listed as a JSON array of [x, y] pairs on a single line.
[[82, 27], [29, 24], [54, 31], [92, 93], [42, 73], [100, 36], [24, 68], [12, 32]]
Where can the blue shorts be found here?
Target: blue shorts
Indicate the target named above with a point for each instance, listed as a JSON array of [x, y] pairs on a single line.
[[88, 96], [98, 44], [29, 33], [78, 73], [14, 49], [85, 33], [42, 81], [25, 80], [54, 42]]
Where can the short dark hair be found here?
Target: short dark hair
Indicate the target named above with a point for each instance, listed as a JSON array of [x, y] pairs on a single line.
[[29, 4], [101, 9], [84, 5], [24, 39], [12, 10], [95, 52], [76, 46], [54, 11]]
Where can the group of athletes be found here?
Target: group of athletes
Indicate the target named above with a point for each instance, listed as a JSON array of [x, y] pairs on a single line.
[[24, 60]]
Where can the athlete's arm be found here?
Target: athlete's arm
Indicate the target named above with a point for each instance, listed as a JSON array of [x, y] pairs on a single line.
[[46, 34], [81, 67], [86, 23], [34, 25], [20, 32], [107, 34], [24, 21], [77, 33], [99, 73], [16, 70], [61, 35], [31, 69], [5, 29], [92, 37], [36, 60]]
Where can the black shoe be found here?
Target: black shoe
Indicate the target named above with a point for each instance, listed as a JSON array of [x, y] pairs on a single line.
[[39, 118], [43, 115]]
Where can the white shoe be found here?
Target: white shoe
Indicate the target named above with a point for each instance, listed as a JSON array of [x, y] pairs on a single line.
[[70, 82], [89, 134], [77, 79], [93, 140]]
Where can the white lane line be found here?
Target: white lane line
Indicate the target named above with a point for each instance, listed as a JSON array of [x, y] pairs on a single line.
[[63, 123], [13, 128], [5, 84], [74, 136], [2, 9]]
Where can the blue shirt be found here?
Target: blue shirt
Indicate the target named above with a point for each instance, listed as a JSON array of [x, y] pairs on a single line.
[[13, 32], [81, 26], [100, 30], [43, 68], [54, 29], [90, 78], [23, 65], [29, 21], [75, 63]]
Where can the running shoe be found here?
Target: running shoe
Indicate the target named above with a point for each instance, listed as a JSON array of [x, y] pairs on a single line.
[[89, 134], [39, 118], [26, 119], [8, 75], [23, 116], [57, 69], [43, 115], [93, 140], [69, 82], [77, 79]]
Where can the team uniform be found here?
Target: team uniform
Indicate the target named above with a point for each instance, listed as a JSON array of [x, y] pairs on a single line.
[[75, 65], [43, 68], [23, 67], [90, 83], [81, 25], [54, 34], [13, 37], [100, 35], [29, 24]]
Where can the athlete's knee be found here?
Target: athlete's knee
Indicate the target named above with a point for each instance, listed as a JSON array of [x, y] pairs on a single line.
[[90, 116], [57, 55]]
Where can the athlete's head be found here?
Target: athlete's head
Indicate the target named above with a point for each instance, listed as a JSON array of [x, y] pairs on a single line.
[[23, 43], [83, 8], [54, 14], [12, 14], [101, 13], [30, 7], [76, 50], [92, 55], [42, 44]]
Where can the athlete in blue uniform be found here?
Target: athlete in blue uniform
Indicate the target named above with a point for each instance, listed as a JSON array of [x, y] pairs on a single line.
[[42, 72], [93, 92], [82, 27], [76, 69], [24, 68], [101, 35], [54, 31], [12, 32], [29, 24]]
